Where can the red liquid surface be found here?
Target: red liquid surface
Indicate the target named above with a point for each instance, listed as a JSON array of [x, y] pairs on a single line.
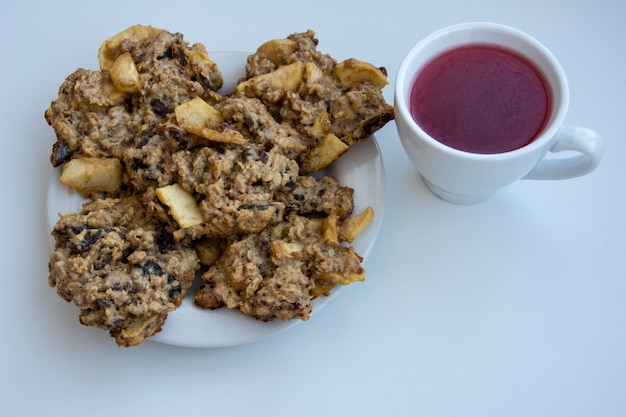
[[480, 99]]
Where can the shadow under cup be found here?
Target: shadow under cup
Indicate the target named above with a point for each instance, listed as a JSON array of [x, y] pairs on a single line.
[[463, 177]]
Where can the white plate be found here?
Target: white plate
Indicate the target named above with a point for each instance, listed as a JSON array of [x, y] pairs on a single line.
[[361, 168]]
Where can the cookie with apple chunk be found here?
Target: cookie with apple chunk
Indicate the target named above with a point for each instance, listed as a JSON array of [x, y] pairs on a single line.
[[121, 268]]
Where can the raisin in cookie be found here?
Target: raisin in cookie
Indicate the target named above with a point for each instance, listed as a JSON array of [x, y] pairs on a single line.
[[120, 267], [309, 195]]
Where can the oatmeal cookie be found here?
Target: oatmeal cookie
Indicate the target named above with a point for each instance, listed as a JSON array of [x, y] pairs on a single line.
[[121, 268], [242, 190], [352, 111], [233, 187], [92, 118], [278, 272]]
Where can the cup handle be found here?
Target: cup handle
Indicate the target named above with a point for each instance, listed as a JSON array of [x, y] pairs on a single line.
[[588, 143]]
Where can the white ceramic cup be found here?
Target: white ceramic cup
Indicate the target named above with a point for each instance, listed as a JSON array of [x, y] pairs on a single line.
[[465, 178]]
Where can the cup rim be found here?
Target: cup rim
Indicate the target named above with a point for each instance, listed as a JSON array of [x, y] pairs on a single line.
[[405, 77]]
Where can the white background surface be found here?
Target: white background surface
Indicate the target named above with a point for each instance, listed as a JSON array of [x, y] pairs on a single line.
[[512, 307]]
